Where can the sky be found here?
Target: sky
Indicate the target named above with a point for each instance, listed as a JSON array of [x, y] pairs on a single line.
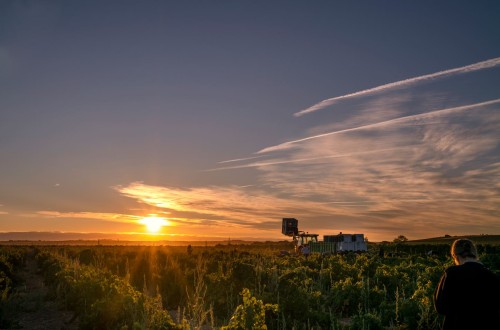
[[213, 120]]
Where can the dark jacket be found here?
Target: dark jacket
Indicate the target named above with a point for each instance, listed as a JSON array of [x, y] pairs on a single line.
[[469, 297]]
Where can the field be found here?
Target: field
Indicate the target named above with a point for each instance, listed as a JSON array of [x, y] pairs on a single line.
[[226, 286], [478, 239]]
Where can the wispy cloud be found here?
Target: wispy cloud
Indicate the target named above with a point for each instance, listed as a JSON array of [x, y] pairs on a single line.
[[222, 208], [298, 160], [382, 124], [239, 159], [214, 202], [410, 163], [114, 217], [433, 172], [402, 83]]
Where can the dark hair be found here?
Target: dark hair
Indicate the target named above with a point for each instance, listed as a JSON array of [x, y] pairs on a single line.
[[463, 248]]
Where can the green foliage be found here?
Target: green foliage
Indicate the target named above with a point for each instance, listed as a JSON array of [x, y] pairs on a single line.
[[132, 287], [6, 276], [100, 299], [251, 314], [11, 260], [366, 321]]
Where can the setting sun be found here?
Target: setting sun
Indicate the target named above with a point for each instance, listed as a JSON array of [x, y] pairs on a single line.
[[153, 224]]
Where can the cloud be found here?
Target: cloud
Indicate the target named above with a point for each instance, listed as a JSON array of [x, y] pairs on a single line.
[[220, 203], [226, 209], [422, 174], [396, 121], [113, 217], [419, 163], [402, 83], [239, 159], [3, 212], [297, 160]]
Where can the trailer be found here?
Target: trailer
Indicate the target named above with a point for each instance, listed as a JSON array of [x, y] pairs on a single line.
[[306, 243]]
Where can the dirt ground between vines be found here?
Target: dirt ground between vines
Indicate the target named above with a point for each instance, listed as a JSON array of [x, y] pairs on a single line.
[[29, 307]]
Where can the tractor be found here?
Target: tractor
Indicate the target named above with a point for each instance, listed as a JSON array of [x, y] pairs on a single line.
[[306, 243]]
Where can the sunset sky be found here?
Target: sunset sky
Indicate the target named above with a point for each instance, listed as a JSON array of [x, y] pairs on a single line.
[[216, 119]]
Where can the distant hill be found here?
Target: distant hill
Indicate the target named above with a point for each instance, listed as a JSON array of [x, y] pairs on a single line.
[[58, 238], [114, 238], [108, 242], [478, 239]]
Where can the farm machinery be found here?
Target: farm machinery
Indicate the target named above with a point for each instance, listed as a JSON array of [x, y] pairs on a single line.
[[306, 243]]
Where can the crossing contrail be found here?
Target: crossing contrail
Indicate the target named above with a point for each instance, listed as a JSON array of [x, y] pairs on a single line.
[[239, 160], [288, 144], [464, 69], [290, 161]]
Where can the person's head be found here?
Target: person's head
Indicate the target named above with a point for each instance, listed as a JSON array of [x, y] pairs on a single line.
[[462, 250]]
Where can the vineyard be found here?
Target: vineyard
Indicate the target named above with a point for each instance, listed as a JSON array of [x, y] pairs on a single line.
[[231, 286]]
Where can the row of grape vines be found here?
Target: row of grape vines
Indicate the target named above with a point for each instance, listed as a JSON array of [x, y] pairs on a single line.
[[11, 259], [242, 287]]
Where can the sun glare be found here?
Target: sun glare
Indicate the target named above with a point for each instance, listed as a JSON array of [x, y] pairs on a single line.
[[154, 224]]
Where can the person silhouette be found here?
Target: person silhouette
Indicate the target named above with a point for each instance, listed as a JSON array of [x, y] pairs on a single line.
[[468, 294]]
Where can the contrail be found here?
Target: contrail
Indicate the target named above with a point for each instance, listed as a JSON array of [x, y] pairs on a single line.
[[239, 159], [464, 69], [278, 162], [286, 145]]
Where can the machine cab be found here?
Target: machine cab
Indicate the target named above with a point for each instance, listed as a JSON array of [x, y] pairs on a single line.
[[290, 227], [305, 238]]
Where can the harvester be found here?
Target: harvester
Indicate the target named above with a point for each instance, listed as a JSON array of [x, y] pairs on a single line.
[[306, 243]]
